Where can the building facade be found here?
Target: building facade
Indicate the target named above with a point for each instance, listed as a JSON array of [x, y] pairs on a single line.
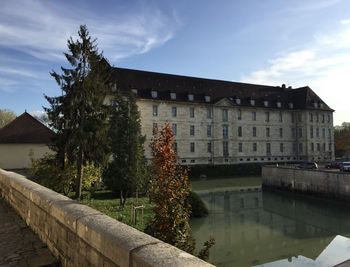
[[221, 122]]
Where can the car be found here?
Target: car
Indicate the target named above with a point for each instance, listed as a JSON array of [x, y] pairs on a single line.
[[308, 165], [333, 165], [345, 166]]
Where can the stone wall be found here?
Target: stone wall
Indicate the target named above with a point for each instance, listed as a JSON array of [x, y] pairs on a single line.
[[325, 183], [81, 236]]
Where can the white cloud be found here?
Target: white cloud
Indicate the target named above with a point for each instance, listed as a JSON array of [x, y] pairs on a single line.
[[41, 29], [324, 65]]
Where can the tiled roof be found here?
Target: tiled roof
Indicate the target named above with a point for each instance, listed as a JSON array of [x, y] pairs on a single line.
[[145, 82], [25, 129]]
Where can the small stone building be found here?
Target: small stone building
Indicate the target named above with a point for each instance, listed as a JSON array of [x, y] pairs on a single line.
[[22, 139]]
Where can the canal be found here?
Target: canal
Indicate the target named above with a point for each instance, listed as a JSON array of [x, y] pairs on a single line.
[[254, 228]]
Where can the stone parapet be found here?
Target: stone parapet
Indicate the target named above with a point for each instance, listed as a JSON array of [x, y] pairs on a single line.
[[81, 236]]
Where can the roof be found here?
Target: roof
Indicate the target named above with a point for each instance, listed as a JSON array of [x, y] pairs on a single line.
[[164, 84], [25, 129]]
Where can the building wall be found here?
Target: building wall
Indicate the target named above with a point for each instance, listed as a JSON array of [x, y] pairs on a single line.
[[18, 156], [289, 132]]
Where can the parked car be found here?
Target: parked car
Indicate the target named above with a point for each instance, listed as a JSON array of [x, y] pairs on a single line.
[[308, 165], [345, 166], [333, 165]]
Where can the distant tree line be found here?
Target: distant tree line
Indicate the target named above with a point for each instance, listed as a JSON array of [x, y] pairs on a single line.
[[342, 139]]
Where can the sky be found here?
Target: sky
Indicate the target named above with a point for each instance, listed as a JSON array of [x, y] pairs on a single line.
[[271, 42]]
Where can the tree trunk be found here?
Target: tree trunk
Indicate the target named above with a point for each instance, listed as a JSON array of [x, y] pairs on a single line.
[[79, 178]]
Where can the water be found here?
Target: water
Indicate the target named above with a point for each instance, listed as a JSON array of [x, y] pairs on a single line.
[[254, 228]]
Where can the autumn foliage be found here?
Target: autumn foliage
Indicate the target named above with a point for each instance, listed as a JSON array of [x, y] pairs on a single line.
[[169, 191]]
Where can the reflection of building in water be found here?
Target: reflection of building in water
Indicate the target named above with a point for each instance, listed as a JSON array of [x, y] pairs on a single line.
[[249, 231]]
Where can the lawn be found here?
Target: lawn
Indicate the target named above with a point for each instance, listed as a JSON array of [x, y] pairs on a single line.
[[106, 202]]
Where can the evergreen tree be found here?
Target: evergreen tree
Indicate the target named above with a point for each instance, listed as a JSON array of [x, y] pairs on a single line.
[[79, 115], [127, 172]]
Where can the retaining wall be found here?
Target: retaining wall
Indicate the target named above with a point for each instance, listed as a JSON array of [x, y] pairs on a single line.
[[81, 236], [324, 183]]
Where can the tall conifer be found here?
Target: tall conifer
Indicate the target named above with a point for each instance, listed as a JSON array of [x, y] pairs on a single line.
[[79, 115]]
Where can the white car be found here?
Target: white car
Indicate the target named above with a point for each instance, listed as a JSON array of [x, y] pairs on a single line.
[[345, 166]]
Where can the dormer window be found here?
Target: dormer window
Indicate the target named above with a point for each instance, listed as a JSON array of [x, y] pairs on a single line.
[[190, 97], [291, 105], [154, 94], [266, 103], [172, 96], [238, 101], [134, 91], [279, 104], [320, 104], [114, 87], [315, 104], [252, 102], [207, 98]]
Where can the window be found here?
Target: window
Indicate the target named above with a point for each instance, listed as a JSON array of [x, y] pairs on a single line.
[[281, 132], [266, 103], [240, 147], [318, 147], [225, 148], [154, 94], [190, 97], [268, 148], [208, 130], [281, 147], [209, 113], [293, 132], [292, 117], [207, 98], [224, 115], [191, 112], [254, 116], [225, 131], [209, 146], [322, 118], [239, 114], [254, 131], [300, 118], [300, 147], [329, 133], [255, 147], [154, 128], [191, 130], [267, 116], [174, 128], [329, 118], [329, 147], [317, 118], [280, 116], [311, 132], [192, 147], [294, 147], [311, 117], [324, 146], [317, 132], [312, 146], [174, 111], [268, 132], [155, 110], [240, 131], [323, 132], [173, 96], [175, 147], [300, 132]]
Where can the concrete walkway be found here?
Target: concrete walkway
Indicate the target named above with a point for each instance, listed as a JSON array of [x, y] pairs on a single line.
[[19, 246]]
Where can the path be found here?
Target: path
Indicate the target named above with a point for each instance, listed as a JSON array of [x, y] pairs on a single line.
[[19, 246]]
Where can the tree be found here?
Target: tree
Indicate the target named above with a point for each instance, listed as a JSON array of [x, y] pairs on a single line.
[[169, 191], [127, 172], [79, 115], [342, 139], [6, 116]]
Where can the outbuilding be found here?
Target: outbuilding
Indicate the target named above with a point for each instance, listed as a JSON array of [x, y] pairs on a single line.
[[23, 139]]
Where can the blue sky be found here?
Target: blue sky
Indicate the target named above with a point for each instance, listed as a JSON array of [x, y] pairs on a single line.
[[299, 42]]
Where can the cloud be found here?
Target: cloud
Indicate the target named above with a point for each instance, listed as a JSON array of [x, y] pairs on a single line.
[[41, 28], [324, 65]]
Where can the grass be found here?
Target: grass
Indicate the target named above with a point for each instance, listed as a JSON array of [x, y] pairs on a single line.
[[108, 203], [225, 182]]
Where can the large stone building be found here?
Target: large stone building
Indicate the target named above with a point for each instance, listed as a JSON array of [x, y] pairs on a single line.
[[221, 122]]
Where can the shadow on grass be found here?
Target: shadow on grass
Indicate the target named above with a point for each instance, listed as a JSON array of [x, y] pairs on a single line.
[[104, 195]]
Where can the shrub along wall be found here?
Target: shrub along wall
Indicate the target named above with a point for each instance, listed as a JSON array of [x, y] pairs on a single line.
[[81, 236]]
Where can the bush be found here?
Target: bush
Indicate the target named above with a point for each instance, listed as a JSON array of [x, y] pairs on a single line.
[[198, 208], [47, 172]]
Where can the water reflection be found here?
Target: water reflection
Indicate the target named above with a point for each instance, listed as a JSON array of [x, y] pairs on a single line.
[[269, 229]]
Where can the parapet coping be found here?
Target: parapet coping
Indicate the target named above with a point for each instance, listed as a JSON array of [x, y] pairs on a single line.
[[122, 244]]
